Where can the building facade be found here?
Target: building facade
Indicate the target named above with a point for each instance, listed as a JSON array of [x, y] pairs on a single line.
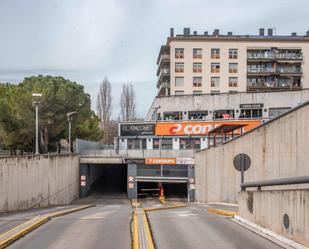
[[215, 63]]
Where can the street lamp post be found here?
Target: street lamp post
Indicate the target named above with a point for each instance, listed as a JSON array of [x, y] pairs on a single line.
[[36, 104], [69, 115]]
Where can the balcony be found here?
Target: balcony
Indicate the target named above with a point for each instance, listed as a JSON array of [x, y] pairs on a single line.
[[164, 74], [163, 61], [259, 71], [290, 70], [260, 56], [279, 84], [164, 89], [289, 56], [274, 55]]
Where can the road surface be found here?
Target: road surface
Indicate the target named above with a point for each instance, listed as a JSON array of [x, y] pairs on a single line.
[[101, 227], [194, 228]]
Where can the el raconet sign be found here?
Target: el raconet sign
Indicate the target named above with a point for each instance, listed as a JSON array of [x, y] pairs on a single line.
[[137, 129]]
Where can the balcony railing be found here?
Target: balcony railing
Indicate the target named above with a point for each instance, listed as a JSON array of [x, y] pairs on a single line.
[[276, 55], [164, 73], [285, 70], [289, 56], [290, 70], [256, 56], [261, 70]]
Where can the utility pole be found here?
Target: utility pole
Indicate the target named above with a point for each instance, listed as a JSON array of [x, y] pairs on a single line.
[[36, 104], [69, 115]]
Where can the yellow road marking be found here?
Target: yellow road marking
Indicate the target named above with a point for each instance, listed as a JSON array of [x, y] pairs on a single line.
[[148, 232], [41, 221], [223, 212], [135, 231]]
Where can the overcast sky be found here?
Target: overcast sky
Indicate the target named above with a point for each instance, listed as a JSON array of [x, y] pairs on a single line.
[[87, 40]]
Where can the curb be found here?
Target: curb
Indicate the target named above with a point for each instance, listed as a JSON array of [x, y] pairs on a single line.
[[171, 206], [40, 221], [223, 212], [268, 234], [135, 240]]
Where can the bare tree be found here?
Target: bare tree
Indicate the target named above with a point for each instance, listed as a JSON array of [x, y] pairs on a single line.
[[104, 108], [127, 103]]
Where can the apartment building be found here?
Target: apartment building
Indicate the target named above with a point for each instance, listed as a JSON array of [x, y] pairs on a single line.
[[192, 63]]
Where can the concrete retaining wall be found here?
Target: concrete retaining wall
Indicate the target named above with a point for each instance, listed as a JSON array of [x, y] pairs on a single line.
[[277, 149], [37, 181], [267, 208]]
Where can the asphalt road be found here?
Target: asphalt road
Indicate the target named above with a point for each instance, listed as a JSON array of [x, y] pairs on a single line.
[[197, 229], [103, 226], [13, 219]]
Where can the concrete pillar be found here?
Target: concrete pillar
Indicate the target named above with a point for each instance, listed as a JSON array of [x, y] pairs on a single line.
[[191, 183], [149, 144], [131, 181], [84, 180], [175, 143], [204, 143]]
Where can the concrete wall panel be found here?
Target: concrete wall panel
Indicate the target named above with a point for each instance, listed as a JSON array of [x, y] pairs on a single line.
[[36, 181], [277, 149], [267, 208]]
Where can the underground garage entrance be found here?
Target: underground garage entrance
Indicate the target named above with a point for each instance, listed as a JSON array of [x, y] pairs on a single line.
[[136, 179], [103, 180]]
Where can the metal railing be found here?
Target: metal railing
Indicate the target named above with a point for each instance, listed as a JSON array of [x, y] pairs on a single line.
[[276, 182]]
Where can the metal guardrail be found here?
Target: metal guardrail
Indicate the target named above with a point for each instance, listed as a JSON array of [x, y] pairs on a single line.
[[276, 182]]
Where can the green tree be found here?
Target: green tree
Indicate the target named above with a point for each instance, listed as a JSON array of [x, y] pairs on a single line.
[[59, 96]]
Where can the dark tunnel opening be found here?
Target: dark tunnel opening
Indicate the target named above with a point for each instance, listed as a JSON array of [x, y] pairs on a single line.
[[108, 180], [175, 190], [147, 189]]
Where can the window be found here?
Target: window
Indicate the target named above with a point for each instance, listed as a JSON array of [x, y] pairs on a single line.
[[179, 92], [197, 53], [190, 143], [134, 144], [144, 144], [233, 67], [179, 53], [197, 67], [233, 53], [197, 81], [274, 112], [197, 92], [251, 113], [233, 81], [179, 67], [223, 114], [179, 81], [215, 81], [156, 143], [198, 115], [167, 143], [215, 53], [215, 67], [172, 115]]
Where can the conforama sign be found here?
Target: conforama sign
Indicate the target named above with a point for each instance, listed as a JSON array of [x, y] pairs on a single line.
[[198, 128]]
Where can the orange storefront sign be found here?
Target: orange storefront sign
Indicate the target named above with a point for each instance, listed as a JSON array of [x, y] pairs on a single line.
[[159, 160], [199, 128]]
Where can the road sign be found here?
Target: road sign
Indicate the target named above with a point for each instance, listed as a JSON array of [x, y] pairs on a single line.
[[160, 160], [188, 161], [83, 178], [131, 178], [131, 185], [242, 161], [83, 183]]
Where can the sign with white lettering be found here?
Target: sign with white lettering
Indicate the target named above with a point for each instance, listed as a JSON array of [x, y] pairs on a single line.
[[251, 106], [137, 129]]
